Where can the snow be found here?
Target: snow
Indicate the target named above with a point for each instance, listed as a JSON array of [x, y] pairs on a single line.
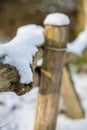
[[18, 113], [34, 32], [20, 50], [79, 44], [57, 19], [40, 62]]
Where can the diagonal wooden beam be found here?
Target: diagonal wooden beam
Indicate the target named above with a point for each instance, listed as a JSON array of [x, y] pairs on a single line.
[[71, 99]]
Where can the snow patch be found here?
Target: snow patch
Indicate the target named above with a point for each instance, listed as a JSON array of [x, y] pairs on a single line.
[[32, 31], [57, 19], [79, 44], [19, 52], [40, 62]]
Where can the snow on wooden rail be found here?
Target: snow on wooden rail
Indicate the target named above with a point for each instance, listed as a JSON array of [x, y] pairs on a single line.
[[19, 52], [79, 44], [10, 80], [22, 53]]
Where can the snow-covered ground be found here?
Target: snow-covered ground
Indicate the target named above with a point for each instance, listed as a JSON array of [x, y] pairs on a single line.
[[18, 113]]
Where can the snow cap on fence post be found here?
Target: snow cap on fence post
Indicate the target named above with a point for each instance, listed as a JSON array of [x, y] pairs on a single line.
[[57, 23], [57, 19]]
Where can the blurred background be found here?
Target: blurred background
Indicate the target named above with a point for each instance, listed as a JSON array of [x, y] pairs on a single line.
[[15, 13]]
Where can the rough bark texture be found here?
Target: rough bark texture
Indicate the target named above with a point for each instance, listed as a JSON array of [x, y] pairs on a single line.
[[48, 97], [9, 81], [71, 99]]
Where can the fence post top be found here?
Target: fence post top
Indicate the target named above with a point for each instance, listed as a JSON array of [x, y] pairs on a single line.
[[57, 19]]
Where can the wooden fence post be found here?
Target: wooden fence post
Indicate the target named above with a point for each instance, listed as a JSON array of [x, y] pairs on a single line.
[[48, 97]]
